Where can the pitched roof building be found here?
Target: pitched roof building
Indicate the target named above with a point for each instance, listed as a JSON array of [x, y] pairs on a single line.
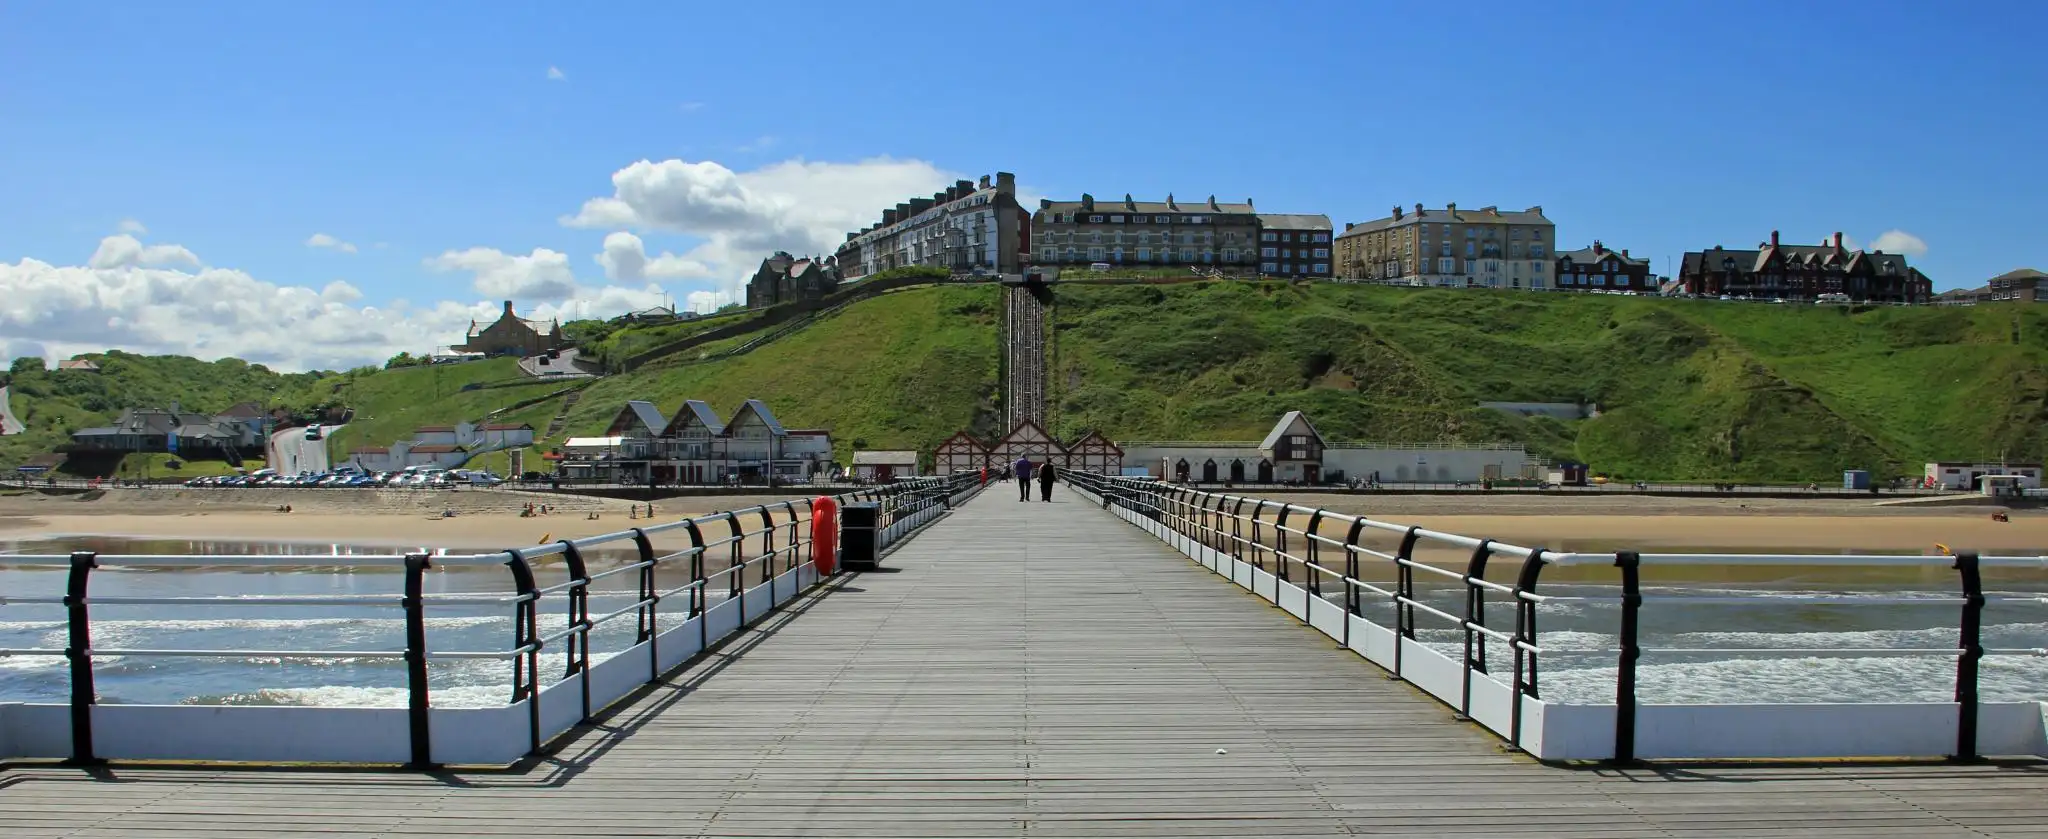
[[1779, 270], [783, 278], [1156, 234], [2025, 285], [513, 335], [1294, 245], [967, 227], [1451, 247], [1600, 268]]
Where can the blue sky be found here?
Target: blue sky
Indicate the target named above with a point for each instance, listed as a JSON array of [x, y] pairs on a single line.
[[447, 142]]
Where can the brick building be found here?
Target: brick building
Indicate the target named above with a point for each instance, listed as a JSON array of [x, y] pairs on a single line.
[[1782, 271], [1600, 269], [1294, 245]]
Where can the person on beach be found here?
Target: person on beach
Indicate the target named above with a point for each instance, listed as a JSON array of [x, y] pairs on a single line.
[[1023, 469], [1045, 478]]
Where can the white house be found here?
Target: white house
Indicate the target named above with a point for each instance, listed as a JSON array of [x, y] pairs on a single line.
[[505, 435], [1966, 476], [884, 465], [1294, 451]]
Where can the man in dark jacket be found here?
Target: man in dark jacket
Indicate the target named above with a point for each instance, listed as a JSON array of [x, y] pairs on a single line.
[[1045, 478], [1023, 469]]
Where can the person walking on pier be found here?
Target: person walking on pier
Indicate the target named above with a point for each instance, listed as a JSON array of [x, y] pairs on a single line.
[[1045, 477], [1023, 469]]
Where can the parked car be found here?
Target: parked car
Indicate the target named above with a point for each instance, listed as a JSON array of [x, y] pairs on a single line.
[[313, 431]]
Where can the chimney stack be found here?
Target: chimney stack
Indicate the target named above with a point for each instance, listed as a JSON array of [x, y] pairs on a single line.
[[964, 187], [508, 308], [1452, 208], [1598, 249], [1774, 238], [1624, 253], [1170, 203], [1348, 225], [1045, 203], [1838, 240], [1087, 201], [1213, 206], [1418, 209], [1397, 212], [1006, 182], [888, 217], [984, 182]]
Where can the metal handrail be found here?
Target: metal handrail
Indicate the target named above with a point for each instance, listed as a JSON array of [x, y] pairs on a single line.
[[906, 506], [1257, 531]]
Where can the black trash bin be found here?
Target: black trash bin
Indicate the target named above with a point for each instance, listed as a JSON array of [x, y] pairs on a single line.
[[859, 535]]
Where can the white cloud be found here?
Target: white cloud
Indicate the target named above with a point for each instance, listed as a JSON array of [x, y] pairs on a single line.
[[1899, 241], [133, 227], [800, 206], [687, 107], [322, 240], [625, 258], [124, 251], [541, 275], [705, 302], [57, 311], [555, 74]]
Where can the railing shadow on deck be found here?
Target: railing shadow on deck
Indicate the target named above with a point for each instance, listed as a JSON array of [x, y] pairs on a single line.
[[1326, 569]]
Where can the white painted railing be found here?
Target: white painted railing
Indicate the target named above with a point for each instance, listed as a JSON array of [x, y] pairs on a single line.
[[1283, 553], [742, 565]]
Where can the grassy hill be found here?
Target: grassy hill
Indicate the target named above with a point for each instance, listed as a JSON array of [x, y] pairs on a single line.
[[1691, 389], [904, 370], [53, 403], [1686, 389]]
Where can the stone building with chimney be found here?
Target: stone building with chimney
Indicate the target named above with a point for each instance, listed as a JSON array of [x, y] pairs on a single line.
[[965, 228], [1156, 234], [1784, 271], [1487, 247], [512, 335], [784, 278]]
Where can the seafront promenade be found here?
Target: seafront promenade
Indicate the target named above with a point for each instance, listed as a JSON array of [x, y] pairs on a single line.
[[1033, 670]]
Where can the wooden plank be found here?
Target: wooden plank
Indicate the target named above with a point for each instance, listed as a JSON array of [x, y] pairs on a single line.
[[1031, 669]]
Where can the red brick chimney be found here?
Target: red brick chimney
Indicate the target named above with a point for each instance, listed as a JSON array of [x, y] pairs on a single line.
[[1624, 253], [1774, 238], [1598, 248], [1838, 240]]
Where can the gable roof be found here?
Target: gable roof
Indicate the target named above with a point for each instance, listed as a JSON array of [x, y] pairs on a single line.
[[1280, 430], [1533, 215], [2020, 274], [1586, 256], [697, 410], [1027, 425], [640, 410], [758, 409], [1096, 438], [950, 444]]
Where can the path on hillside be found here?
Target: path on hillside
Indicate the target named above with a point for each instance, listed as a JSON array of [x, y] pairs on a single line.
[[1024, 358]]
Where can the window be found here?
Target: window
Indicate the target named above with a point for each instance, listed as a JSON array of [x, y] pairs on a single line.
[[1094, 254], [1229, 254], [1286, 253], [1187, 254], [1047, 255], [1094, 219], [1162, 219], [1095, 238], [1208, 255], [1144, 254], [1045, 237], [1268, 236], [1322, 268], [1269, 268], [1446, 250], [1286, 237], [1323, 252], [1269, 253], [1536, 267], [1116, 219], [1322, 237], [1599, 279]]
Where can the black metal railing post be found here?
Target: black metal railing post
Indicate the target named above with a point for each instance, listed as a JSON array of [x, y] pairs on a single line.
[[1216, 519], [578, 649], [78, 650], [1258, 544], [699, 598], [1237, 529], [1972, 644], [1352, 601], [526, 641], [1630, 563], [1475, 619], [735, 568], [649, 630], [1311, 566], [1525, 636], [1280, 550], [1404, 594], [769, 555], [419, 705]]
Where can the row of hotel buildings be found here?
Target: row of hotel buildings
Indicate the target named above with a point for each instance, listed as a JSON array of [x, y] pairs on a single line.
[[981, 228]]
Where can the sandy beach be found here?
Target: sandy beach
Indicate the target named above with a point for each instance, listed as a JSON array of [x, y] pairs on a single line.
[[490, 519], [368, 518]]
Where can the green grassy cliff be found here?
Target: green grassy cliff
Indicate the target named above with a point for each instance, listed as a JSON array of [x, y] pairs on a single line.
[[1686, 389]]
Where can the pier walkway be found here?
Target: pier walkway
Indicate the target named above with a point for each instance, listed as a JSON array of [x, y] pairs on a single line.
[[1032, 670]]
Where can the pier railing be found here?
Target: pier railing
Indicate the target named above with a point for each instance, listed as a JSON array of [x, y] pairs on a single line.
[[739, 566], [1416, 602]]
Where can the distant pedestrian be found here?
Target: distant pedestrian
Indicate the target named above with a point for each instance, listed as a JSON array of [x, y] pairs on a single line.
[[1045, 478], [1023, 469]]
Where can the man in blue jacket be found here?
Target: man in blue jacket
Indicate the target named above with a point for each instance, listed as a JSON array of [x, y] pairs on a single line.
[[1023, 469]]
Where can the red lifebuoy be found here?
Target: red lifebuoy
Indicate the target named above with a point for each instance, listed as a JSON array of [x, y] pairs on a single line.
[[824, 535]]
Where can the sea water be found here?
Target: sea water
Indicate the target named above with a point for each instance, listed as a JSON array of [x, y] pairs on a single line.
[[1578, 631]]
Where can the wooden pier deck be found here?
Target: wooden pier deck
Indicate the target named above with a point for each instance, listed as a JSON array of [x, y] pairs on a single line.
[[1031, 670]]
